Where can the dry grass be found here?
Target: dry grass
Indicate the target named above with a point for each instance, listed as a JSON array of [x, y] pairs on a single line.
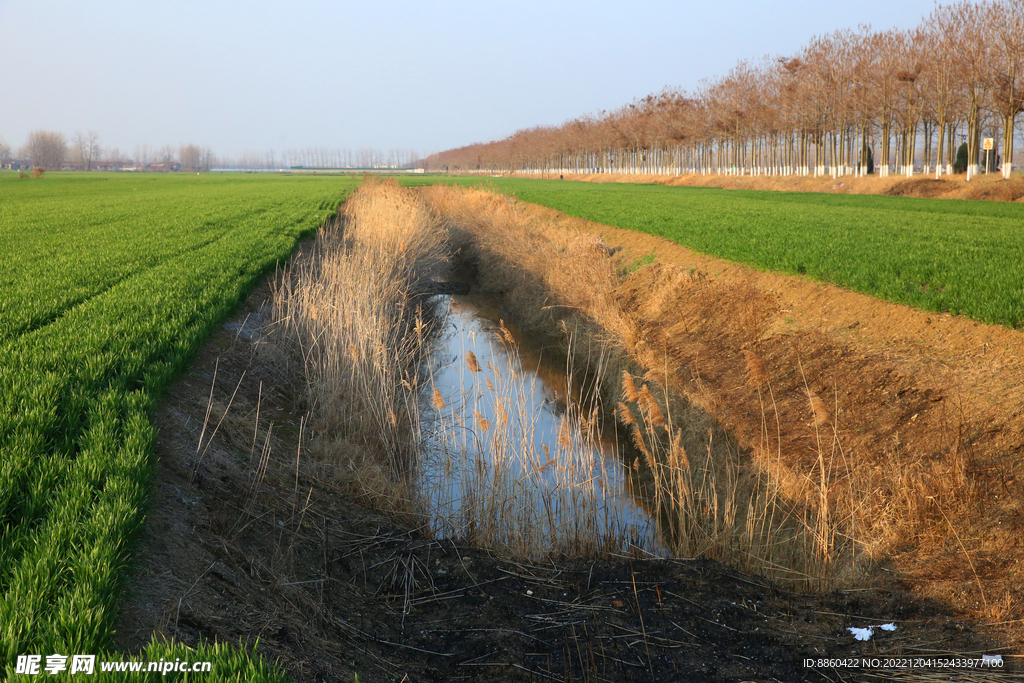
[[818, 440], [351, 315], [712, 500]]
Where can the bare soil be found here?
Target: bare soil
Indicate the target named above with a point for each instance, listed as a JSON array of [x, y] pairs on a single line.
[[248, 538]]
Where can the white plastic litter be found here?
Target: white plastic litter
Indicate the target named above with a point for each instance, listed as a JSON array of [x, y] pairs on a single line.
[[991, 660], [861, 633], [868, 631]]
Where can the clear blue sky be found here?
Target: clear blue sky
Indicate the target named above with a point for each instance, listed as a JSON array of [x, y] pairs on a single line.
[[420, 74]]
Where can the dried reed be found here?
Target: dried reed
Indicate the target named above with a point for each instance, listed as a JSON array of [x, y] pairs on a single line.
[[352, 316]]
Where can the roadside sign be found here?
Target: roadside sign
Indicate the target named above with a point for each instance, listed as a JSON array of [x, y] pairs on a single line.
[[988, 143]]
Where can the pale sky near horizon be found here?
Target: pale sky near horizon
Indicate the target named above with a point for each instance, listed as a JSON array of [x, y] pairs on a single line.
[[426, 75]]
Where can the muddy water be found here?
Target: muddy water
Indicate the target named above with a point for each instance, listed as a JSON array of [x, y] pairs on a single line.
[[516, 455]]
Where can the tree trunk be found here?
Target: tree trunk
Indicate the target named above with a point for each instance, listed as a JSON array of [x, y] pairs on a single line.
[[884, 167], [1008, 121], [973, 133]]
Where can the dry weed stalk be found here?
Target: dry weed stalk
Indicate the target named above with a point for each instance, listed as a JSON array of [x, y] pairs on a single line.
[[710, 501], [352, 314]]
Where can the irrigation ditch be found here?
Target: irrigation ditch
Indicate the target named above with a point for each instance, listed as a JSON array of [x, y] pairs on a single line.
[[536, 480]]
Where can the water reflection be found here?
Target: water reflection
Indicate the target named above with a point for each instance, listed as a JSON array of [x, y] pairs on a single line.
[[516, 460]]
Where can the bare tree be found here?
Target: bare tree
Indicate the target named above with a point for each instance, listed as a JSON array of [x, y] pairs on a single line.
[[46, 149], [113, 156], [973, 63], [165, 155], [191, 158], [87, 148], [942, 94], [5, 151], [909, 100]]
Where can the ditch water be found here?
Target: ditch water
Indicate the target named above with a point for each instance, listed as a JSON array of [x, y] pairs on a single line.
[[517, 458]]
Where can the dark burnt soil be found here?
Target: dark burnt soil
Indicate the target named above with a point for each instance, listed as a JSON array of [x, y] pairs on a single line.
[[248, 538]]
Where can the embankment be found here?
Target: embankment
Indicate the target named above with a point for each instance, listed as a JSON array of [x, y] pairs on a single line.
[[989, 187]]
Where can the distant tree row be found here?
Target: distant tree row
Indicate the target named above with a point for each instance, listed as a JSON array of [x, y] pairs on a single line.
[[328, 157], [844, 100], [53, 151], [187, 157]]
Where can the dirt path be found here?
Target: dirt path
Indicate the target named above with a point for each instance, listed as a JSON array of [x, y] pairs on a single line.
[[249, 538]]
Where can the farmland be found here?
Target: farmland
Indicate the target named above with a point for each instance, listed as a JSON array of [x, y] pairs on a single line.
[[964, 257], [111, 285], [108, 286], [335, 591]]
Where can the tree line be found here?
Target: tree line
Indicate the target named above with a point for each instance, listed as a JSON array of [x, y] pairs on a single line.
[[329, 157], [845, 102], [53, 151]]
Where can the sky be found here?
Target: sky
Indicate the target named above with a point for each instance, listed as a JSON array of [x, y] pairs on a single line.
[[426, 75]]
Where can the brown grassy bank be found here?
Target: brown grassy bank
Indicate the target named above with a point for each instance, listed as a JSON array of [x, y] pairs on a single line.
[[989, 187]]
